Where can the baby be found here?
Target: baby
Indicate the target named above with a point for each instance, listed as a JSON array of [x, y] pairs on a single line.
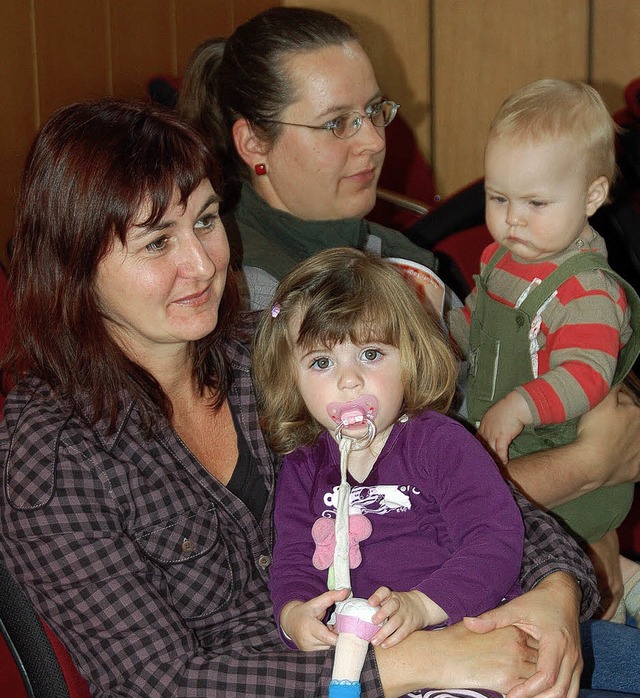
[[549, 327]]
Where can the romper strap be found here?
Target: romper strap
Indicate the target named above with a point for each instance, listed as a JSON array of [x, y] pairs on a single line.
[[584, 262], [571, 267], [491, 264]]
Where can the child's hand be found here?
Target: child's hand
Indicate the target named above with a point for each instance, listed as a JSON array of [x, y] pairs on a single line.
[[302, 622], [404, 612], [503, 422]]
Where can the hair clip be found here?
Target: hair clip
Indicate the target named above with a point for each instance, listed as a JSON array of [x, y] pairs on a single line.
[[275, 311]]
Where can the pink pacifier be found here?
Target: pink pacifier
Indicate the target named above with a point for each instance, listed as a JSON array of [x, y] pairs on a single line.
[[359, 411]]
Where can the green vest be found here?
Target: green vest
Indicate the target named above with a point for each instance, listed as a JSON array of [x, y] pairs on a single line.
[[499, 344]]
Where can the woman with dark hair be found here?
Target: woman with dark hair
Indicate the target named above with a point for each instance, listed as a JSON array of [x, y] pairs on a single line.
[[79, 199], [293, 111], [136, 507]]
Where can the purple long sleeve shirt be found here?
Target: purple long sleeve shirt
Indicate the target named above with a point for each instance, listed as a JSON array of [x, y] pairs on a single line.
[[444, 520]]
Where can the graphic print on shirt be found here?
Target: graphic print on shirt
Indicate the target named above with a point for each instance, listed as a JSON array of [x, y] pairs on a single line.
[[378, 499]]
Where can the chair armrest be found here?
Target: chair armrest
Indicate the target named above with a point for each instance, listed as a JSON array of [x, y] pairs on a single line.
[[402, 201]]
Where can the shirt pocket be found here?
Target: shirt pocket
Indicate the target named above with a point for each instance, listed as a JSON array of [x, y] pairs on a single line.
[[484, 360], [194, 560]]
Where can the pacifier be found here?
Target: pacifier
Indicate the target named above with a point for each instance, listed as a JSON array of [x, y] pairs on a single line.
[[359, 411]]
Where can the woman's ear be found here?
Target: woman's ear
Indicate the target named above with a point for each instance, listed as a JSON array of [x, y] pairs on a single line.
[[250, 148], [597, 194]]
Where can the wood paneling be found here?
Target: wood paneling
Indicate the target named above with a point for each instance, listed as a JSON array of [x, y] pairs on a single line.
[[141, 48], [245, 9], [482, 52], [616, 48], [72, 52], [54, 52], [18, 116], [196, 21]]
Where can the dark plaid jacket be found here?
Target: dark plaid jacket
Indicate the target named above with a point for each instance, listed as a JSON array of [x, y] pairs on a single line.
[[153, 574]]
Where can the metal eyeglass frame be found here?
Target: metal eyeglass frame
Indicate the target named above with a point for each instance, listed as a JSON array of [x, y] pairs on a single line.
[[355, 122]]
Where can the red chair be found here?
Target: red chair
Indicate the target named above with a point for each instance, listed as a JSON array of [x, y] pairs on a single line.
[[33, 662], [5, 320]]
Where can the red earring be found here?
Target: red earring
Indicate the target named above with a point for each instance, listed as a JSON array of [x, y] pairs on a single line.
[[261, 169]]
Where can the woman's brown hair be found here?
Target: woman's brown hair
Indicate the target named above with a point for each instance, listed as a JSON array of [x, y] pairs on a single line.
[[90, 171], [246, 76]]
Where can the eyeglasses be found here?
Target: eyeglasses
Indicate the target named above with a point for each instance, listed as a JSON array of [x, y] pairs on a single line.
[[348, 124]]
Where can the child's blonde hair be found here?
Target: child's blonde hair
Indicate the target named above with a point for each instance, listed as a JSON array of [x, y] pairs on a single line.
[[343, 294], [556, 108]]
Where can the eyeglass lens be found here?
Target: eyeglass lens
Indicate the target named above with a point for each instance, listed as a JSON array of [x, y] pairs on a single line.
[[381, 115]]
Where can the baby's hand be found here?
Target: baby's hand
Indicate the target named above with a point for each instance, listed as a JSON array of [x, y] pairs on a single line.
[[503, 422], [404, 612], [302, 621]]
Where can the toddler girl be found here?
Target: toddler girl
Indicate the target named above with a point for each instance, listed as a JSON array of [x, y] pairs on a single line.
[[354, 378]]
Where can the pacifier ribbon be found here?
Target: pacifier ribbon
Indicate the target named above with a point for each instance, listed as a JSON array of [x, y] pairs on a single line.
[[361, 411]]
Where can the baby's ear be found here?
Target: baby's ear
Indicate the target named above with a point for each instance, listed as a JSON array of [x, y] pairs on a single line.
[[597, 194]]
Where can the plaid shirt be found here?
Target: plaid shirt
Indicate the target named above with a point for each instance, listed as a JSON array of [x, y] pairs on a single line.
[[152, 573]]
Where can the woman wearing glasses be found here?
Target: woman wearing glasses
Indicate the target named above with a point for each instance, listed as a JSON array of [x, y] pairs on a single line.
[[293, 109]]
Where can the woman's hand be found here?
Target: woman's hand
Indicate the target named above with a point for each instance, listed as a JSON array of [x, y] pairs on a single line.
[[605, 452], [456, 657], [303, 622], [549, 616], [611, 433]]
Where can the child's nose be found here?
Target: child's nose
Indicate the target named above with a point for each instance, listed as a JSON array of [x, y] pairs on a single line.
[[349, 378], [514, 217]]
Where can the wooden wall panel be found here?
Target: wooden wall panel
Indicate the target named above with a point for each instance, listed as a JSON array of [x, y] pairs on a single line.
[[73, 52], [19, 105], [482, 52], [616, 48], [54, 52], [245, 9], [197, 21], [396, 36], [140, 48]]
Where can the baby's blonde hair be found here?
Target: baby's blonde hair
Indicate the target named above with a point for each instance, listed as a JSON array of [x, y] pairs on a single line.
[[557, 108], [338, 295]]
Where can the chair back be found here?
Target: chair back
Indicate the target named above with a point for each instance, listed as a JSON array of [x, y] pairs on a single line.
[[30, 650], [5, 320]]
